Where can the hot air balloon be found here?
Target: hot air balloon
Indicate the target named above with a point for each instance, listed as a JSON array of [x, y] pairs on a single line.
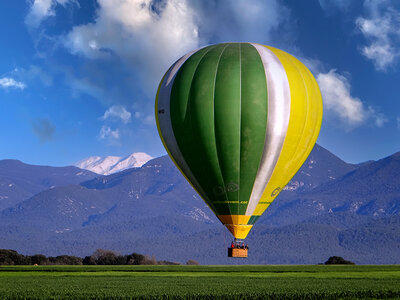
[[238, 120]]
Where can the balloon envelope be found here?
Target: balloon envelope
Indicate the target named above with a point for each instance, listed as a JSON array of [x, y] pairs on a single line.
[[238, 120]]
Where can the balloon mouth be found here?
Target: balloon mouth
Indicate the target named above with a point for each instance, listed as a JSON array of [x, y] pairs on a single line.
[[236, 224], [239, 231]]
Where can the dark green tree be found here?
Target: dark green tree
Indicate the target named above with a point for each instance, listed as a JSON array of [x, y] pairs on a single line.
[[337, 260], [39, 259]]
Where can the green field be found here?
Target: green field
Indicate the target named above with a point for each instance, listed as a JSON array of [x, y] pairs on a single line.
[[199, 282]]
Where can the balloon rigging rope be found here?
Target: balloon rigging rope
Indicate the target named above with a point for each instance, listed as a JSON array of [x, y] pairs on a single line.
[[224, 237]]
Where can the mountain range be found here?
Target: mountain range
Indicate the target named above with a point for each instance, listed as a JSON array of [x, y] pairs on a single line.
[[113, 164], [329, 208], [19, 181]]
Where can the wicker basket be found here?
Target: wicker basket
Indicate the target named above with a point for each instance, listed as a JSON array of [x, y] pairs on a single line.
[[237, 252]]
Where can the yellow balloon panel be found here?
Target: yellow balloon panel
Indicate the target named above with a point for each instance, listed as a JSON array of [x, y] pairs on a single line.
[[304, 124]]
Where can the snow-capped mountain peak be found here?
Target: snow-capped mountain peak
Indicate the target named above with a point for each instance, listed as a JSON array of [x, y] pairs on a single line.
[[113, 164]]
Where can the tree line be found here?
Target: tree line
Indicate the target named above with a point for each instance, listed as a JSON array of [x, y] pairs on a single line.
[[99, 257]]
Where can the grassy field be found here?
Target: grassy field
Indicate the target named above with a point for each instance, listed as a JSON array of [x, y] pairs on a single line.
[[199, 282]]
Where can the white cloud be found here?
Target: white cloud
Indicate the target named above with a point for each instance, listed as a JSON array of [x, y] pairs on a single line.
[[378, 118], [106, 133], [150, 35], [42, 9], [117, 112], [350, 110], [133, 31], [39, 10], [8, 82], [382, 32]]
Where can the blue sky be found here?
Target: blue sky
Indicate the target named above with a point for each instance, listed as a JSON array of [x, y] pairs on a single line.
[[78, 78]]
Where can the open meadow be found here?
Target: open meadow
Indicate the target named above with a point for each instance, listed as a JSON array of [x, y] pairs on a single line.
[[199, 282]]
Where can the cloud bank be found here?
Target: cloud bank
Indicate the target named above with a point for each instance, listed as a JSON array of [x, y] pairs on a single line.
[[137, 40], [147, 36]]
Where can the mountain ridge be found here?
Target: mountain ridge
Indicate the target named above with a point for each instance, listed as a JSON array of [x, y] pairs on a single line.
[[144, 209], [20, 181], [113, 164]]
